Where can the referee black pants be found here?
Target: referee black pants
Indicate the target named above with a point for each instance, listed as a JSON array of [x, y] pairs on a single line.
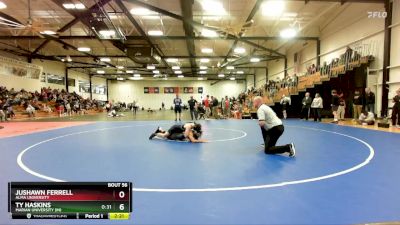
[[271, 136]]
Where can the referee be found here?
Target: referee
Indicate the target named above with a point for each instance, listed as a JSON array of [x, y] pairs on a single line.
[[271, 128], [178, 107]]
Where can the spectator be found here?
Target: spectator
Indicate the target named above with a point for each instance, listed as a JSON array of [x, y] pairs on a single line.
[[366, 118], [369, 100], [357, 105], [285, 103], [226, 106], [47, 109], [206, 104], [214, 107], [177, 107], [306, 104], [2, 114], [68, 108], [396, 109], [192, 104], [335, 106], [237, 110], [341, 108], [30, 110], [316, 106]]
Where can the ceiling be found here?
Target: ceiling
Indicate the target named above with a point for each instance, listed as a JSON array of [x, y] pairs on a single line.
[[238, 24]]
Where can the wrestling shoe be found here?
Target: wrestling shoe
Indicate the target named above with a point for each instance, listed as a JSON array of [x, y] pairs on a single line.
[[292, 151], [158, 130], [152, 136]]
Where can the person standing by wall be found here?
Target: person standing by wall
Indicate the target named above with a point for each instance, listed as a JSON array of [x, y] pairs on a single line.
[[178, 107], [285, 103], [226, 107], [357, 105], [396, 110], [214, 107], [317, 105], [192, 108], [341, 108], [369, 100], [335, 106], [306, 104], [271, 129], [207, 106]]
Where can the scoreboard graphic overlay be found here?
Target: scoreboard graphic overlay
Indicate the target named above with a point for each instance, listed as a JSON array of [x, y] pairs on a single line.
[[70, 200]]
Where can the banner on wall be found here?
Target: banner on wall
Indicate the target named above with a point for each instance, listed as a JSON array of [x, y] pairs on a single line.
[[151, 90], [19, 68], [200, 90], [171, 90], [188, 90]]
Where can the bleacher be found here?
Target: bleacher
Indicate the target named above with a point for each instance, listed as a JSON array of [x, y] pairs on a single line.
[[310, 80]]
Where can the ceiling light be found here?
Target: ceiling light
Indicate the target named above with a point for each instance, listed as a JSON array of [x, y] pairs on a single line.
[[105, 59], [202, 72], [136, 75], [212, 7], [141, 11], [239, 50], [83, 49], [239, 72], [156, 71], [181, 76], [100, 71], [208, 33], [119, 71], [255, 59], [232, 78], [69, 59], [3, 5], [150, 67], [199, 78], [273, 8], [176, 67], [120, 78], [230, 67], [206, 50], [129, 71], [107, 32], [62, 60], [203, 67], [288, 33], [221, 75], [48, 32], [80, 6], [155, 33], [135, 78], [178, 72], [120, 67], [69, 6], [204, 60], [172, 60]]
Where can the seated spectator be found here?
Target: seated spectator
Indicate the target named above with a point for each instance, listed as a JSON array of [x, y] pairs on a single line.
[[30, 110], [47, 109], [2, 114], [237, 110], [366, 118], [10, 112]]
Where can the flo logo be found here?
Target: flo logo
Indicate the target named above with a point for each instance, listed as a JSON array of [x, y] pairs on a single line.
[[28, 215], [377, 15]]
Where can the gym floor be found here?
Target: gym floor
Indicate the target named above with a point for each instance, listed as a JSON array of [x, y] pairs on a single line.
[[341, 174]]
